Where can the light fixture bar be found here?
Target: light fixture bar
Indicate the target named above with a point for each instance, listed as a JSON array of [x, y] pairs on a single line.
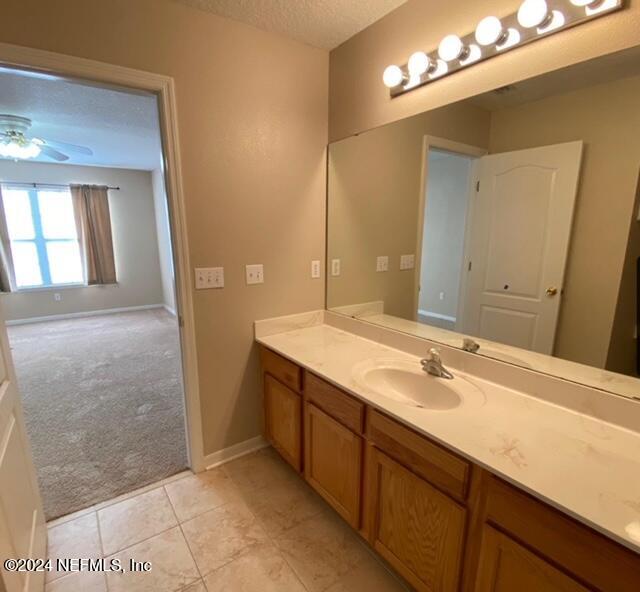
[[517, 30]]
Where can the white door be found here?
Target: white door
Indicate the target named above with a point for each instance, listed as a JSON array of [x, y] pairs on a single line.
[[518, 246], [23, 531]]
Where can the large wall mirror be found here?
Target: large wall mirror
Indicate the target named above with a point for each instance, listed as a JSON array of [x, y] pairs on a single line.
[[510, 218]]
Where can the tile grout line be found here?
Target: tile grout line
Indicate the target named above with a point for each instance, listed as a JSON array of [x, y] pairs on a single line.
[[186, 540], [104, 573]]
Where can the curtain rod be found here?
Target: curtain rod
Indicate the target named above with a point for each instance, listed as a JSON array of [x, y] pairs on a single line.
[[34, 185]]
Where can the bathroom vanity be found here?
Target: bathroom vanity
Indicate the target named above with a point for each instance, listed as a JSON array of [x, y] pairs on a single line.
[[462, 484]]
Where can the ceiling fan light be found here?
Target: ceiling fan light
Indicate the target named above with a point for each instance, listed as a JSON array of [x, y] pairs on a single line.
[[20, 151]]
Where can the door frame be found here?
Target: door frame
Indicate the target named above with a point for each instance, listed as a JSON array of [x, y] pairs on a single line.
[[104, 74], [445, 145]]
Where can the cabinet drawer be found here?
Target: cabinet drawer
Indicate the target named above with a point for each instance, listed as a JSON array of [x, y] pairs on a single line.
[[342, 407], [282, 369], [443, 469], [333, 462]]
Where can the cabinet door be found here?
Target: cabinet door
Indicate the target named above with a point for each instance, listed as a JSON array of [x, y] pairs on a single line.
[[506, 566], [333, 462], [416, 528], [283, 420]]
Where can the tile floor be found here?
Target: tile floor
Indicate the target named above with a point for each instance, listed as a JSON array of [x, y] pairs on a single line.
[[249, 525]]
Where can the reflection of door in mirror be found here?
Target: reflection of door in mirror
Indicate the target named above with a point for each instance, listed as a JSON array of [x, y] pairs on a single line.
[[518, 245]]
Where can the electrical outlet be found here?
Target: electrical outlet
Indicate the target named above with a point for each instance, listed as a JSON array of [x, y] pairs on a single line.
[[255, 274], [441, 295], [209, 277], [382, 263], [407, 261], [315, 269], [335, 267], [57, 296]]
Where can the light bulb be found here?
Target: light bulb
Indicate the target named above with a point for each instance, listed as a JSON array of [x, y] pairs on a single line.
[[489, 31], [532, 13], [451, 48], [17, 150], [418, 63], [392, 76]]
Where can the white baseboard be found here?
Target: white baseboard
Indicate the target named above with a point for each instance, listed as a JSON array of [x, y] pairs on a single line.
[[171, 311], [237, 450], [88, 313], [436, 315]]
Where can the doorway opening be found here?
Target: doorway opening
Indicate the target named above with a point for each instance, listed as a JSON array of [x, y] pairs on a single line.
[[90, 293], [448, 188]]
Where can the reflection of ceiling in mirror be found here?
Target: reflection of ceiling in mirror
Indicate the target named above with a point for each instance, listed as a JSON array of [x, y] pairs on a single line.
[[599, 71]]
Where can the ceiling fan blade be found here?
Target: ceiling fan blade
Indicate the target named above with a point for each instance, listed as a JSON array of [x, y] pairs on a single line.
[[53, 153], [71, 147]]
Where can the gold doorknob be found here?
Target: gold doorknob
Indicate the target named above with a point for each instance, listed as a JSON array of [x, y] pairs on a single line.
[[552, 291]]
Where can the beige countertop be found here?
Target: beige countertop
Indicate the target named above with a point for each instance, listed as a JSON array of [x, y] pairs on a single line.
[[584, 466]]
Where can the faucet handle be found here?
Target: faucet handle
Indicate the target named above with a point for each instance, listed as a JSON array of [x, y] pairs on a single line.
[[434, 354], [470, 345]]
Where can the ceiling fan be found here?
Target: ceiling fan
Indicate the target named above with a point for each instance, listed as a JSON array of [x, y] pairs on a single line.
[[14, 143]]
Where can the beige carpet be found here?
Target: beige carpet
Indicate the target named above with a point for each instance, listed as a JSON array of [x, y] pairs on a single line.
[[103, 403]]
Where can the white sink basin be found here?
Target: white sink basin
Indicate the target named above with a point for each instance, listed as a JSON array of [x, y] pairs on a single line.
[[407, 383]]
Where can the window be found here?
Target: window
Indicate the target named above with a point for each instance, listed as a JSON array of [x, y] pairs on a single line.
[[44, 241]]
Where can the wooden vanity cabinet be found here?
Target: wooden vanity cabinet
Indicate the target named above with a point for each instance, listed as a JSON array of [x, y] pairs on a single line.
[[333, 461], [282, 406], [333, 446], [527, 545], [416, 528], [443, 523], [507, 566]]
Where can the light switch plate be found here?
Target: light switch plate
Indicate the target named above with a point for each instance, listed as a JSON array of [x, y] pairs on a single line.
[[407, 261], [209, 277], [382, 263], [255, 274], [335, 267], [315, 269]]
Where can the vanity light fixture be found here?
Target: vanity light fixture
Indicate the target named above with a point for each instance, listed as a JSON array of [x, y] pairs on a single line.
[[393, 76], [419, 63], [451, 48], [491, 32], [533, 20], [534, 13]]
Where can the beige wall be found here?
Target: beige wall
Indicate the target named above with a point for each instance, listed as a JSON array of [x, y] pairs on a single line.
[[607, 119], [252, 116], [359, 100], [624, 342], [134, 242], [374, 202], [165, 251]]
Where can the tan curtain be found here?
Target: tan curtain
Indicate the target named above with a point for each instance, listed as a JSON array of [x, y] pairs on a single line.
[[7, 275], [93, 221]]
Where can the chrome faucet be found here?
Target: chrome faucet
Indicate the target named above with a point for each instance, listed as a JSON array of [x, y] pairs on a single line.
[[469, 345], [432, 364]]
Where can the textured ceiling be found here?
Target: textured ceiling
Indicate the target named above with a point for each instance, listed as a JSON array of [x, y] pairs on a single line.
[[321, 23], [120, 127]]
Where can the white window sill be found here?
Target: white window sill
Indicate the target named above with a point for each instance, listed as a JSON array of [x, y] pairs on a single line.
[[57, 288]]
